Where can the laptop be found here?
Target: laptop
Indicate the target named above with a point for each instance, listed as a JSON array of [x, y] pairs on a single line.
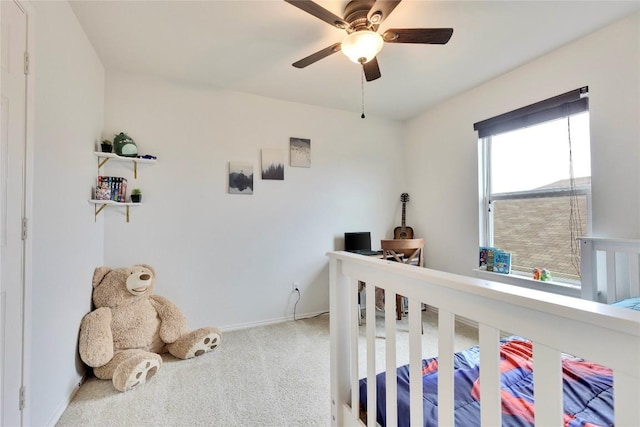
[[359, 243]]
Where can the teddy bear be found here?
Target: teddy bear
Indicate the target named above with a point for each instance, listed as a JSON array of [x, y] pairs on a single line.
[[123, 337]]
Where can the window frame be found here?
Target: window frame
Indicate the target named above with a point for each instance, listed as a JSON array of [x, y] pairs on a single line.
[[487, 198], [561, 106]]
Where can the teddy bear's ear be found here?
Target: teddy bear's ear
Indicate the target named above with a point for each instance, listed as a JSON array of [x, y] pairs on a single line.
[[99, 274], [149, 267]]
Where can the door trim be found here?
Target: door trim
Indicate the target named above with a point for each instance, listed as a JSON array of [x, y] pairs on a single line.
[[27, 208]]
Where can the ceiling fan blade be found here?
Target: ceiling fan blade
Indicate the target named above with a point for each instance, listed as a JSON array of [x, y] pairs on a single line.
[[418, 35], [380, 10], [371, 70], [314, 57], [319, 12]]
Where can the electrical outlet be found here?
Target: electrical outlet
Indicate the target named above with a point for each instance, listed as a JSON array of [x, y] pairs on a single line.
[[295, 286]]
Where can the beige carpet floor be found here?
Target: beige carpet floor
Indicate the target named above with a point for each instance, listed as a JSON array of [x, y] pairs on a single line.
[[276, 375]]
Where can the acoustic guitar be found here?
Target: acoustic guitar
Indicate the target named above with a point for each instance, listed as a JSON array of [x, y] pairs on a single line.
[[403, 232]]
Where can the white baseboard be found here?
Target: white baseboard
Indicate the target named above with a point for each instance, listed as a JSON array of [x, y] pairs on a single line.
[[240, 326], [55, 417]]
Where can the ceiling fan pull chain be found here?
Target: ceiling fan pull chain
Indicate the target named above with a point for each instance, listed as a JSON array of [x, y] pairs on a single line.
[[362, 89]]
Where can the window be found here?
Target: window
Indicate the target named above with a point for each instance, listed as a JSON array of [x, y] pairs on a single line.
[[536, 184]]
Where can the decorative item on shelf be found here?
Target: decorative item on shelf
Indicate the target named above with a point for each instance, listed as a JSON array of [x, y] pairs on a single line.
[[490, 258], [136, 195], [124, 145], [106, 146], [502, 262], [536, 274], [484, 256], [112, 188], [545, 276], [103, 192], [541, 274]]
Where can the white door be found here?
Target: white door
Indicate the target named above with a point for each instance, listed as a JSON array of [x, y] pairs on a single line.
[[13, 22]]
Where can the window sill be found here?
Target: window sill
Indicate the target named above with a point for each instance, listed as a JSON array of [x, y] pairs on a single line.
[[526, 282]]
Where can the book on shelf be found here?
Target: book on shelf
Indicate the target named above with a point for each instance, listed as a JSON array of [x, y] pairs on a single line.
[[502, 262], [112, 188], [484, 254], [103, 188], [490, 254]]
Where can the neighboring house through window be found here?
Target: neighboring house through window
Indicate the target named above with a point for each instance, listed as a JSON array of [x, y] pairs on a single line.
[[535, 184]]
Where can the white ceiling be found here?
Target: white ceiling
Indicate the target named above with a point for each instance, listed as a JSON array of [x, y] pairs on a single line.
[[249, 46]]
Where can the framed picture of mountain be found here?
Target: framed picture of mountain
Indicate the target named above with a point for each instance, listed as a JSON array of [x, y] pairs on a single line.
[[240, 178], [300, 152], [272, 164]]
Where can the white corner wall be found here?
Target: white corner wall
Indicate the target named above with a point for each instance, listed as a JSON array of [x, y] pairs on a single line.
[[67, 244], [441, 145], [229, 260]]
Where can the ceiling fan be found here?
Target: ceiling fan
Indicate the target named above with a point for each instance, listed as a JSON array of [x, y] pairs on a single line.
[[361, 21]]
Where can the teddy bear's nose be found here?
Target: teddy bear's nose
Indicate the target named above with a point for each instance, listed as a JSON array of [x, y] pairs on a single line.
[[145, 276]]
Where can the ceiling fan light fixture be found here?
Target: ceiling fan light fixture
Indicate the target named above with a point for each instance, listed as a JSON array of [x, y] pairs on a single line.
[[362, 46], [376, 18]]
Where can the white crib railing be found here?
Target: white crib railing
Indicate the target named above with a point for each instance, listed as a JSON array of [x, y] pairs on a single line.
[[609, 268], [553, 323]]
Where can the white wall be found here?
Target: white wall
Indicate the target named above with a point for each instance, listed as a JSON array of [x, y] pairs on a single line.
[[67, 244], [441, 145], [229, 260]]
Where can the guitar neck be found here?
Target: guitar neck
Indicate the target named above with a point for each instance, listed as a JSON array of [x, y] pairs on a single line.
[[404, 216]]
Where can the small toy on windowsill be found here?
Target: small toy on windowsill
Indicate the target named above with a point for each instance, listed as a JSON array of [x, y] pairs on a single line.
[[545, 276], [536, 274], [541, 274]]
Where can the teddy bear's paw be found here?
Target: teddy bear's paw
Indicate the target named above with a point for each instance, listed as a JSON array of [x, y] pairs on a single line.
[[209, 341], [142, 372], [136, 371]]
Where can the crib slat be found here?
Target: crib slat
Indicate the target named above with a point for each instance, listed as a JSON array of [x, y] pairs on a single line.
[[611, 277], [354, 315], [588, 277], [496, 312], [446, 337], [634, 274], [547, 385], [491, 408], [340, 353], [625, 412], [372, 399], [415, 360], [390, 354]]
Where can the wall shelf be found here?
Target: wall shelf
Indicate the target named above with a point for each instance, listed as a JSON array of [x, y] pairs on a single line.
[[105, 157], [99, 205]]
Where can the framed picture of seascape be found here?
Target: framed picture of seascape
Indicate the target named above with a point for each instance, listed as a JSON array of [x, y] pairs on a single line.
[[300, 152]]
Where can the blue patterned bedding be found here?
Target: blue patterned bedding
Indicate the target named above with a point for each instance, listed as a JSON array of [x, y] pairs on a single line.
[[632, 303], [588, 392]]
